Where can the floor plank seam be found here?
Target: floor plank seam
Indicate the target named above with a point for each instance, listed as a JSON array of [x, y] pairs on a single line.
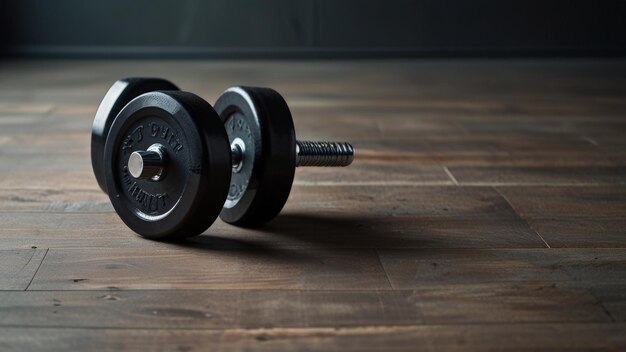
[[602, 306], [38, 267], [520, 216], [445, 168], [382, 266], [590, 140], [607, 312]]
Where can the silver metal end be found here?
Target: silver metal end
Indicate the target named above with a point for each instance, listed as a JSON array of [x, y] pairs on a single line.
[[147, 164], [237, 150], [323, 153]]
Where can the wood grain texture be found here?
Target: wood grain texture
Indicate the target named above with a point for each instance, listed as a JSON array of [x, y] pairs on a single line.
[[189, 267], [217, 309], [573, 175], [485, 210], [475, 337], [433, 267]]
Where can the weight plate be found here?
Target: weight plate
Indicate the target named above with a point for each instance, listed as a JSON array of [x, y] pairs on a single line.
[[188, 197], [120, 93], [260, 120]]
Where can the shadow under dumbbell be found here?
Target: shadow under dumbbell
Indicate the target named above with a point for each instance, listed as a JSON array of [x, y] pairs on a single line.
[[217, 243], [213, 243], [344, 231], [290, 235]]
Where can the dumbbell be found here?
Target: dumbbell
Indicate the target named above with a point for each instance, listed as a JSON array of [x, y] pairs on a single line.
[[171, 163]]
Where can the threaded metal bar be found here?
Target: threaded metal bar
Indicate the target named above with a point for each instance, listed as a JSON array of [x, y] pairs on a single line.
[[323, 153]]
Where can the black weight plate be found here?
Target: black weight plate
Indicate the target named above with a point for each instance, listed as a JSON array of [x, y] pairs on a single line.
[[190, 195], [120, 93], [261, 118]]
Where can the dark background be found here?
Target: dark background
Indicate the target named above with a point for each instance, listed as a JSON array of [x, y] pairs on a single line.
[[311, 28]]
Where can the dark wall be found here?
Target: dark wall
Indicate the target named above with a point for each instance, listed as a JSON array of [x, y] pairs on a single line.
[[318, 28]]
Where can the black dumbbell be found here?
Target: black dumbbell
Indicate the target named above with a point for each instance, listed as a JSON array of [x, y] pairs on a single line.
[[170, 166]]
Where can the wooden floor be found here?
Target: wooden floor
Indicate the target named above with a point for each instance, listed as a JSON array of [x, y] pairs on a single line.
[[486, 210]]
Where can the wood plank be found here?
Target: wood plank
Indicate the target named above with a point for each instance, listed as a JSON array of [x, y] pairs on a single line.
[[571, 175], [55, 175], [54, 200], [374, 173], [466, 151], [57, 237], [18, 267], [289, 230], [497, 158], [30, 108], [514, 337], [573, 216], [541, 151], [222, 309], [314, 217], [585, 268], [204, 268], [564, 202], [61, 145], [469, 202]]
